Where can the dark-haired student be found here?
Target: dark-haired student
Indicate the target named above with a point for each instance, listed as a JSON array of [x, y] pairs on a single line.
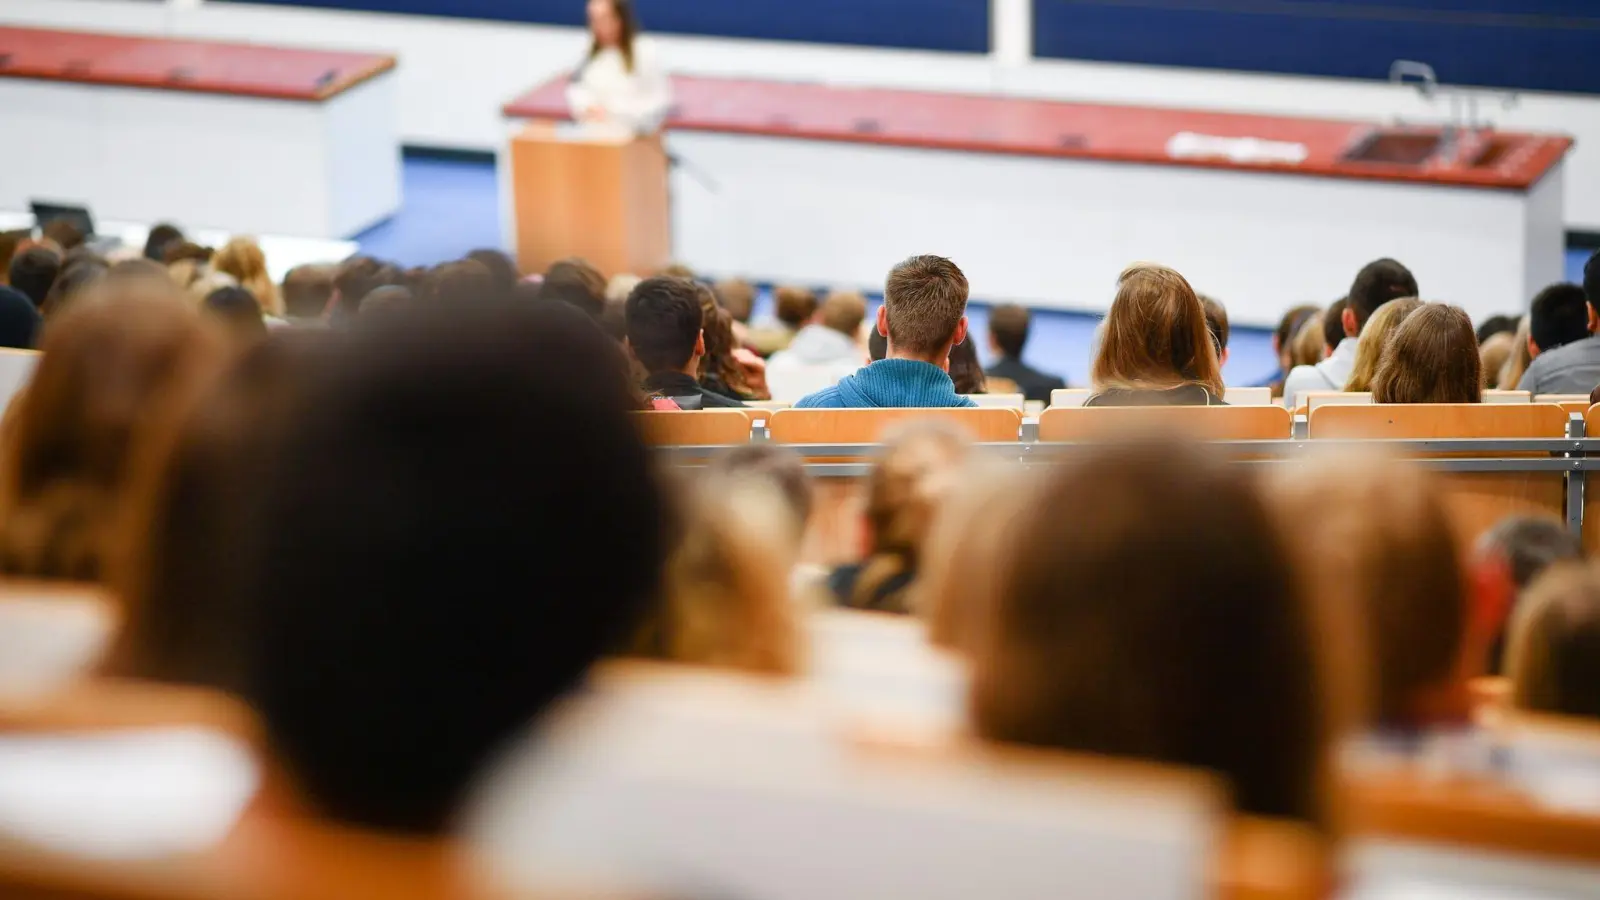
[[1377, 283], [663, 319], [923, 316], [19, 320], [1573, 368], [1009, 325], [33, 271], [420, 574]]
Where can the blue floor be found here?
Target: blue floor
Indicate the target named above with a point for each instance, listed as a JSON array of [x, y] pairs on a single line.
[[451, 207]]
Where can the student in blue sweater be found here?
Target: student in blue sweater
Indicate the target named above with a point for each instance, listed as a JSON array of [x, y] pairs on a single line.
[[924, 314]]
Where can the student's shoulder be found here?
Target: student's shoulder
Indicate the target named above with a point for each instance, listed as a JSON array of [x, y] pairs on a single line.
[[827, 398]]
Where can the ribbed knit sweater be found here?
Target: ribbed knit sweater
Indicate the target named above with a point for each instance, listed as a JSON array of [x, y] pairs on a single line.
[[889, 383]]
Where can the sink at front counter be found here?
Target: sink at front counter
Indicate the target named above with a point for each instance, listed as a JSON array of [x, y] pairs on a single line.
[[1418, 148]]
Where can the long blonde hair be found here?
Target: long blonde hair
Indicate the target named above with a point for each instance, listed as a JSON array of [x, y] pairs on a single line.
[[1379, 328], [1521, 357], [725, 599], [242, 258], [1155, 337]]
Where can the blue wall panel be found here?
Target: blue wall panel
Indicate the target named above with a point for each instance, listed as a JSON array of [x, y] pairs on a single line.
[[960, 25], [1528, 44]]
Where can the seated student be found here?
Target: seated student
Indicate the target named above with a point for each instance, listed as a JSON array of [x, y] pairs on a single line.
[[162, 235], [966, 372], [1431, 358], [792, 308], [1499, 323], [500, 265], [456, 282], [1554, 651], [307, 291], [576, 282], [33, 271], [923, 315], [1333, 327], [1217, 324], [236, 310], [663, 319], [417, 602], [242, 258], [1519, 549], [1376, 284], [1519, 359], [1283, 344], [782, 470], [1380, 328], [920, 466], [1155, 349], [725, 592], [1169, 626], [353, 280], [724, 370], [19, 320], [1009, 324], [1558, 316], [738, 297], [1493, 352], [1575, 367], [1377, 542], [113, 368], [825, 350]]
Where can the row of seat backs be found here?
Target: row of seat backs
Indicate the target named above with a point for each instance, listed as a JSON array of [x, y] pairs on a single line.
[[1240, 423]]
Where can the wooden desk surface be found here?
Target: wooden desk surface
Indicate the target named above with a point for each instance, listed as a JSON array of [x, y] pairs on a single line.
[[1011, 125], [247, 70]]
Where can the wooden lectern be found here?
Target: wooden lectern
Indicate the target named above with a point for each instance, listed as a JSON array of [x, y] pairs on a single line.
[[589, 193]]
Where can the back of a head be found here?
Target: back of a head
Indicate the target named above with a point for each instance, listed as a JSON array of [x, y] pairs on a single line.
[[737, 296], [576, 282], [162, 235], [64, 232], [794, 306], [180, 544], [75, 284], [1493, 353], [1496, 324], [1529, 545], [237, 311], [1009, 324], [1519, 359], [1432, 357], [1558, 316], [358, 276], [926, 298], [501, 266], [33, 271], [1554, 650], [243, 258], [1333, 323], [1377, 283], [1380, 545], [460, 282], [844, 311], [1591, 281], [966, 372], [920, 466], [778, 467], [423, 570], [1154, 336], [307, 290], [181, 250], [112, 368], [1380, 328], [1168, 626], [1291, 323], [663, 319], [1216, 321], [386, 299], [1309, 345]]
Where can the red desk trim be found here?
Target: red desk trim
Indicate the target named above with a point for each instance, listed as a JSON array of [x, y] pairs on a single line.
[[1026, 127], [246, 70]]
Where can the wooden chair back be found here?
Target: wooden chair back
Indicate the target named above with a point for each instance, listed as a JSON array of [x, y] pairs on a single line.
[[1211, 423], [866, 426], [997, 401], [1508, 396], [1247, 396], [697, 428], [1577, 404], [1315, 400], [666, 776], [1477, 500], [1069, 397], [1591, 493]]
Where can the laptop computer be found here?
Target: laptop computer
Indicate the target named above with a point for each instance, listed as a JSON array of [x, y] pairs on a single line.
[[45, 212]]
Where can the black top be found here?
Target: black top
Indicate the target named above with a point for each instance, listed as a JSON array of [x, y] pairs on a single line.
[[1182, 395], [1035, 385], [687, 392]]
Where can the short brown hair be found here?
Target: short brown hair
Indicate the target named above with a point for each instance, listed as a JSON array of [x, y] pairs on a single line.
[[1431, 358], [926, 296], [1208, 659], [306, 291], [844, 311], [794, 305], [1377, 283], [1154, 336], [737, 296], [1216, 321], [1554, 660], [1333, 323], [1008, 325]]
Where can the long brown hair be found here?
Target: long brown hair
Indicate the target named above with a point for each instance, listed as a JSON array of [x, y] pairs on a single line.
[[1431, 358], [717, 326], [1382, 326], [114, 369], [1169, 626], [630, 30], [1155, 337], [242, 258], [905, 490]]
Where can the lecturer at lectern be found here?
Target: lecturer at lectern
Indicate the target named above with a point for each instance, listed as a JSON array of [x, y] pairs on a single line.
[[621, 81]]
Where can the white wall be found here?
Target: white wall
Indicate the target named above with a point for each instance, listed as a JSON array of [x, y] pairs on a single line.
[[456, 74]]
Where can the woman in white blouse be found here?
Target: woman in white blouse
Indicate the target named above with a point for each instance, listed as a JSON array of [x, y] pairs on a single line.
[[621, 82]]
